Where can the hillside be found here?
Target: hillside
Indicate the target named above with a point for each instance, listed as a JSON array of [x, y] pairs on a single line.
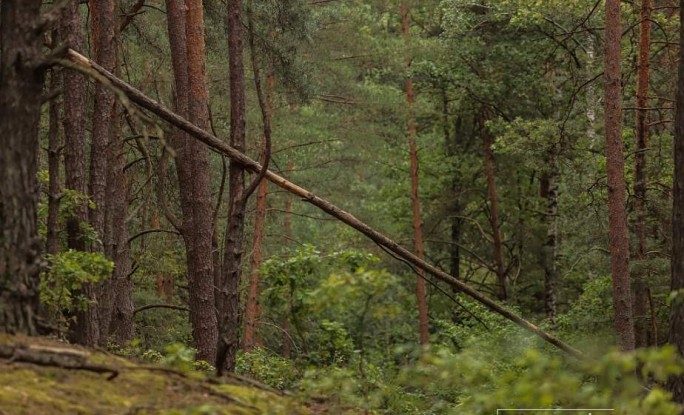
[[40, 376]]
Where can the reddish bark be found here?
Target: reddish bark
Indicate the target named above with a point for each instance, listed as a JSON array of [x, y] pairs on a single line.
[[415, 196], [641, 289], [186, 37], [615, 161], [74, 127], [487, 141]]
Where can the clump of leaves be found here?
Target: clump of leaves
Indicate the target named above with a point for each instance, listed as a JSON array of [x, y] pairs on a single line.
[[67, 274]]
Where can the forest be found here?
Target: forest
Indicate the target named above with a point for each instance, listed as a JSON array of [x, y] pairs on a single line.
[[342, 207]]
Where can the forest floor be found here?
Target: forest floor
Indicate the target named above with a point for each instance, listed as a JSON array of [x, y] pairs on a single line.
[[46, 377]]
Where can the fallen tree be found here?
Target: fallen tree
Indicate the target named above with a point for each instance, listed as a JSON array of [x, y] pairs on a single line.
[[126, 92]]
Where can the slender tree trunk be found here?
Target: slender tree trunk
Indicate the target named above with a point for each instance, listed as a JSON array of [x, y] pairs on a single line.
[[641, 289], [232, 255], [549, 190], [86, 329], [54, 153], [104, 51], [121, 321], [676, 383], [74, 128], [21, 83], [451, 146], [253, 309], [418, 247], [75, 175], [493, 206], [615, 161], [186, 36], [287, 228]]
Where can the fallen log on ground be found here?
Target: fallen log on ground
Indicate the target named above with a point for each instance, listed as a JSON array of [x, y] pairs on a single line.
[[80, 62]]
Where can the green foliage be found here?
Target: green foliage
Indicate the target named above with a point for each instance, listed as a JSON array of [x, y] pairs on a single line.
[[180, 357], [266, 367], [66, 275], [591, 313], [70, 202]]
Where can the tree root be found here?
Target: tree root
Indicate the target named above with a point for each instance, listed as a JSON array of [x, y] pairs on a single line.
[[69, 359]]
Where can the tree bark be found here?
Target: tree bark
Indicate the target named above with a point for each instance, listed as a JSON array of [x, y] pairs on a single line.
[[149, 104], [641, 289], [487, 141], [615, 161], [74, 128], [21, 83], [286, 339], [253, 308], [186, 36], [121, 323], [232, 255], [676, 383], [418, 245], [549, 250], [54, 152]]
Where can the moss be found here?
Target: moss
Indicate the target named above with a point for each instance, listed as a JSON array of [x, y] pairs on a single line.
[[141, 390]]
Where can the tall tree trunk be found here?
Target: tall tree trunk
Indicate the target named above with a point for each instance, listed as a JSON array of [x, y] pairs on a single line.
[[74, 128], [54, 152], [418, 247], [641, 289], [615, 162], [121, 322], [252, 308], [549, 190], [186, 37], [21, 83], [286, 339], [487, 141], [86, 329], [232, 255], [676, 383]]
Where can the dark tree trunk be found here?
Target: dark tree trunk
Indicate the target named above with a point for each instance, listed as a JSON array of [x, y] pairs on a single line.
[[676, 383], [54, 153], [74, 127], [423, 334], [232, 255], [186, 36], [287, 228], [21, 83], [549, 249], [121, 323], [487, 141], [641, 289], [253, 308], [615, 162]]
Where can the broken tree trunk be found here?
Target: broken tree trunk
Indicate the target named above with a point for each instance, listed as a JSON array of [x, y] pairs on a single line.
[[84, 64]]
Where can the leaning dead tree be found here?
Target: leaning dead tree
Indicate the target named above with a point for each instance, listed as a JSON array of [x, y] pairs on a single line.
[[127, 92]]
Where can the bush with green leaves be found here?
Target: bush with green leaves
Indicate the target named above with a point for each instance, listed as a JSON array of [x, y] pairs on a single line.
[[66, 275], [268, 368]]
